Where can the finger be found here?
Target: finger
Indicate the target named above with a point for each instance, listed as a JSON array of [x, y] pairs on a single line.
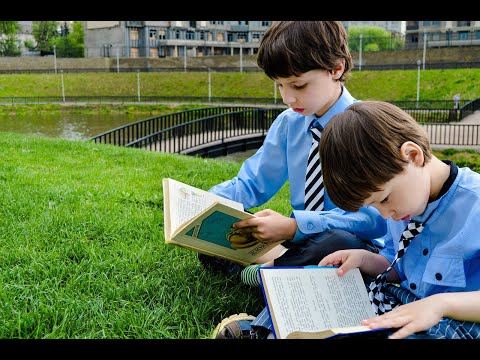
[[245, 223]]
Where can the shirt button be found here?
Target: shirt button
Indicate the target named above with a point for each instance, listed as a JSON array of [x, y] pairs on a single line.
[[310, 226], [425, 252], [438, 276], [413, 286]]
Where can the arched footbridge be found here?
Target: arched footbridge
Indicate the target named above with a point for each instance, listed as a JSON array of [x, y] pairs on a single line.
[[219, 131]]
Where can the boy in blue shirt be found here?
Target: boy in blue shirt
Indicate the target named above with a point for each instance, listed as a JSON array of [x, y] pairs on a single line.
[[376, 154], [310, 62]]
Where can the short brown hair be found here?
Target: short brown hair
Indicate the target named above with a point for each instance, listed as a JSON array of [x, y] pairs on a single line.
[[360, 150], [291, 48]]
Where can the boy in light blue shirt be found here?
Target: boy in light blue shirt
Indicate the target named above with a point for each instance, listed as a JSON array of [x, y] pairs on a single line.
[[309, 62], [437, 262]]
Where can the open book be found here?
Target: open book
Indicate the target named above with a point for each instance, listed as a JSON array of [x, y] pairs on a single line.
[[313, 302], [202, 221]]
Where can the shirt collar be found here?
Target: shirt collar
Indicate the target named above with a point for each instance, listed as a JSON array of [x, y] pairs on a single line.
[[341, 104]]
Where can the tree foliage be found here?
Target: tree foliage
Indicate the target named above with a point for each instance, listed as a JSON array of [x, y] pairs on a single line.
[[8, 38], [44, 33], [70, 42], [374, 38]]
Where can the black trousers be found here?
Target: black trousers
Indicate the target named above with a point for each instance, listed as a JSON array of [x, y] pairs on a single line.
[[311, 250]]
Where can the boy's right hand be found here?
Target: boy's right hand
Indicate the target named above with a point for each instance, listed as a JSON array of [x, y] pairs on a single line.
[[268, 226]]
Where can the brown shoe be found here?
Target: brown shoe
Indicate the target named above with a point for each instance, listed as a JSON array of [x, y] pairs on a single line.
[[235, 326]]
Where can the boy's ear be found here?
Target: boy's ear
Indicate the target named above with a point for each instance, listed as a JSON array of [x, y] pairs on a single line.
[[338, 70], [411, 152]]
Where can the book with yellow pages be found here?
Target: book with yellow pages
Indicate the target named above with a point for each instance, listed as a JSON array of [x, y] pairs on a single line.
[[313, 302], [202, 221]]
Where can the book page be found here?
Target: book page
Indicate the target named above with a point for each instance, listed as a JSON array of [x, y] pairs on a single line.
[[314, 299], [185, 201]]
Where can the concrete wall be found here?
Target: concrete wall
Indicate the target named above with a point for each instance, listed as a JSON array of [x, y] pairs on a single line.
[[459, 54]]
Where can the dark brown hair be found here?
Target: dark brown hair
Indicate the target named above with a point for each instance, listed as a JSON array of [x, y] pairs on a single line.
[[291, 48], [360, 150]]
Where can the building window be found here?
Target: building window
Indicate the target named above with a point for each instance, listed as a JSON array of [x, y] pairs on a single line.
[[177, 34], [463, 23], [255, 37], [242, 37], [192, 24], [463, 35], [134, 34], [153, 34], [477, 35], [220, 36], [265, 23], [435, 36], [202, 36], [190, 35], [134, 53], [161, 34]]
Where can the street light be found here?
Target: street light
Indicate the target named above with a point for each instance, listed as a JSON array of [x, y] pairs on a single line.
[[55, 57], [241, 57], [419, 62], [138, 85], [360, 53], [63, 86]]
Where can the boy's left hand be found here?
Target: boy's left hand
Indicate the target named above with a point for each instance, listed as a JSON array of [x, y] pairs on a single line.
[[410, 318]]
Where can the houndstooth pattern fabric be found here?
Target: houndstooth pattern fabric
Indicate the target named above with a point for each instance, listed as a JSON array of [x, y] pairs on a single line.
[[376, 290], [314, 192]]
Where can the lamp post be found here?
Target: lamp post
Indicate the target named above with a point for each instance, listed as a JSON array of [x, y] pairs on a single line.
[[63, 86], [274, 92], [241, 57], [360, 53], [138, 85], [209, 86], [185, 58], [418, 80], [55, 57], [424, 47]]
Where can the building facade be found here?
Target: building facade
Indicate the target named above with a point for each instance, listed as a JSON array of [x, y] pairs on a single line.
[[158, 39], [427, 34]]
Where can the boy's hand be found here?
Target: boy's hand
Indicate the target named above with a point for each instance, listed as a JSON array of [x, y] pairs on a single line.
[[345, 259], [268, 226], [410, 318]]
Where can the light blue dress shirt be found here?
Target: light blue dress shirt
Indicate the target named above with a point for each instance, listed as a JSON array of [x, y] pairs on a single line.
[[445, 256], [283, 156]]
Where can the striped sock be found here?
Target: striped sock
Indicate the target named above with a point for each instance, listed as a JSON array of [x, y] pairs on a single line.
[[249, 275]]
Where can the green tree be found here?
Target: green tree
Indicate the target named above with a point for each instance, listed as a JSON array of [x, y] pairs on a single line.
[[44, 33], [374, 38], [70, 43], [8, 38]]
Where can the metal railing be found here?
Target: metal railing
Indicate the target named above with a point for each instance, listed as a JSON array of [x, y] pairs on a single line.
[[225, 128], [216, 130], [127, 134]]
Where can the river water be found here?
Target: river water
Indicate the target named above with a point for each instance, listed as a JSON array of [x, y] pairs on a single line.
[[74, 126], [69, 125]]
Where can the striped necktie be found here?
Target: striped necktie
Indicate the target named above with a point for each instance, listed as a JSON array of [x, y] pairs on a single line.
[[376, 290], [314, 179]]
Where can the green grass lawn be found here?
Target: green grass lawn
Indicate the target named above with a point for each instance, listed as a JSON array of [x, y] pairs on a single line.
[[83, 248], [379, 85], [82, 244]]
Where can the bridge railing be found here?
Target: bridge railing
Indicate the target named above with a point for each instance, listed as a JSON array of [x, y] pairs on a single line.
[[126, 134], [192, 131], [210, 130]]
